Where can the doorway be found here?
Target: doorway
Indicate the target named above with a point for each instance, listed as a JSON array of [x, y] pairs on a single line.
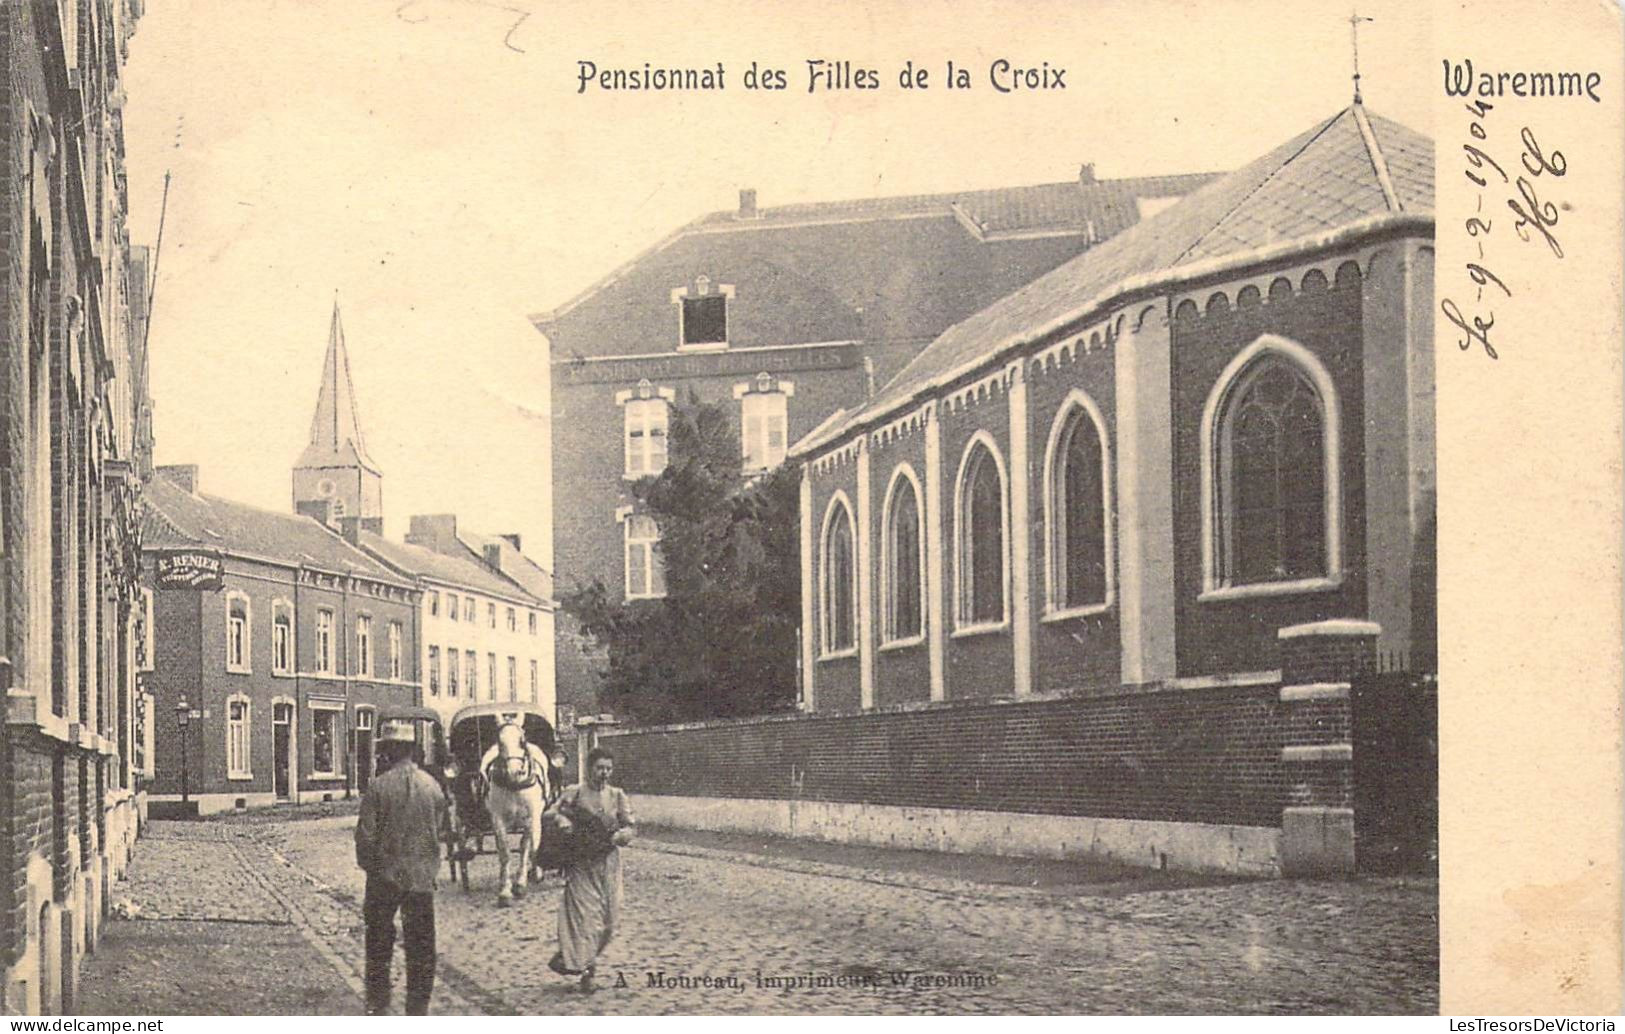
[[282, 750], [363, 746]]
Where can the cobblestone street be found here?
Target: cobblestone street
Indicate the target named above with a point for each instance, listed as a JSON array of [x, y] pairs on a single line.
[[700, 906]]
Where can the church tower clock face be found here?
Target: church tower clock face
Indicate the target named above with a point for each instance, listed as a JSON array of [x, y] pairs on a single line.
[[325, 486]]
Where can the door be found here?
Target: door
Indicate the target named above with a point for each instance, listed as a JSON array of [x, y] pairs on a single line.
[[282, 750], [363, 746]]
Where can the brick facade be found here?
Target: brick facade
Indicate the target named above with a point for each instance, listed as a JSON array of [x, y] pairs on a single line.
[[74, 446]]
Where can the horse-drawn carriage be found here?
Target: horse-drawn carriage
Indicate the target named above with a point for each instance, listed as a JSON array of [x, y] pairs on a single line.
[[504, 767]]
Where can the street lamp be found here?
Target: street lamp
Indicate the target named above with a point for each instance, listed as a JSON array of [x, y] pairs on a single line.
[[183, 716]]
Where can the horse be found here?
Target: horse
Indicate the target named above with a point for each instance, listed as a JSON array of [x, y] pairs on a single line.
[[516, 774]]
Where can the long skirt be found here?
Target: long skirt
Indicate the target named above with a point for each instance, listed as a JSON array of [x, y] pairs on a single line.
[[590, 910]]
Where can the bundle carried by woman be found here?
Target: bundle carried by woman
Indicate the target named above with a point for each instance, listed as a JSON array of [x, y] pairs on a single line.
[[586, 836]]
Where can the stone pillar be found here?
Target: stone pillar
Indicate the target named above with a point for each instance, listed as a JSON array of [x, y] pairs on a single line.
[[1145, 503], [866, 581], [1318, 662], [1021, 598], [935, 585], [809, 594]]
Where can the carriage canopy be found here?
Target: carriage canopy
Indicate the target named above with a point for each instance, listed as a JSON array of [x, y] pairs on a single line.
[[474, 730]]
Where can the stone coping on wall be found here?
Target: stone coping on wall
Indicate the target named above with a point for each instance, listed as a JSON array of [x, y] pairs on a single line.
[[1351, 627], [1240, 680]]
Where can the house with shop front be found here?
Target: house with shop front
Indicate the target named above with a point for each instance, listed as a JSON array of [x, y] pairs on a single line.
[[272, 644], [1170, 495], [785, 314]]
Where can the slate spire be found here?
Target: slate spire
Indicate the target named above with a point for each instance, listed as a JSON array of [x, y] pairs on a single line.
[[335, 430]]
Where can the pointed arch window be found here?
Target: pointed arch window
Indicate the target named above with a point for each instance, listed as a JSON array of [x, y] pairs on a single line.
[[981, 524], [1077, 511], [839, 571], [902, 590], [1272, 494]]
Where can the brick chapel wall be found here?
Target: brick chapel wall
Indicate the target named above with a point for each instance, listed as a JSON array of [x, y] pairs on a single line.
[[1240, 635], [1210, 755], [836, 680], [1081, 651], [902, 673], [979, 665]]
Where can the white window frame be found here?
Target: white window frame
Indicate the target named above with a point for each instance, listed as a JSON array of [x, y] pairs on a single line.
[[636, 405], [491, 670], [431, 679], [454, 671], [397, 655], [513, 677], [451, 608], [903, 475], [652, 556], [531, 615], [245, 665], [1077, 405], [963, 624], [471, 665], [837, 502], [776, 395], [535, 680], [364, 664], [340, 747], [149, 736], [325, 659], [239, 739], [1214, 587], [433, 599], [470, 609], [491, 615], [283, 609]]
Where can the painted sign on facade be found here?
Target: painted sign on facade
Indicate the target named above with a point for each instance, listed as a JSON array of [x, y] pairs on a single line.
[[189, 569]]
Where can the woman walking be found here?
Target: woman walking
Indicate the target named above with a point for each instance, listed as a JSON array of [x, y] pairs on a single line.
[[598, 819]]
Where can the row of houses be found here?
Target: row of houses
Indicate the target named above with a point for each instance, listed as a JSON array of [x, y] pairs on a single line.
[[75, 445], [272, 641]]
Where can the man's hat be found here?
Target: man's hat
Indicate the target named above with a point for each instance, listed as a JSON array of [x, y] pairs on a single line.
[[397, 732]]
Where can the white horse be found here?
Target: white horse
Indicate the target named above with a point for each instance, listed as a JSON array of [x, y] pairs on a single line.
[[515, 773]]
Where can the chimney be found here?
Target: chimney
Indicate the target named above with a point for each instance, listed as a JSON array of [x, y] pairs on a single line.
[[747, 203], [493, 556], [350, 530], [314, 508], [1086, 173], [436, 531], [512, 539], [183, 476], [373, 525]]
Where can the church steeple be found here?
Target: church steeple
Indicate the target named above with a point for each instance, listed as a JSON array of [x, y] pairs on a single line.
[[335, 477]]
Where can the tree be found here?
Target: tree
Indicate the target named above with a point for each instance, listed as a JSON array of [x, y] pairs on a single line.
[[723, 641]]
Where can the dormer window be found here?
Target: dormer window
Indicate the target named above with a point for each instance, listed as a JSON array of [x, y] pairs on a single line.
[[703, 315]]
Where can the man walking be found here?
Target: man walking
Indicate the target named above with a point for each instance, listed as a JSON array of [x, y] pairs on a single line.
[[397, 842]]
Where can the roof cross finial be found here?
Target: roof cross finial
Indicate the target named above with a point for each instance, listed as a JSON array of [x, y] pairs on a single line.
[[1354, 36]]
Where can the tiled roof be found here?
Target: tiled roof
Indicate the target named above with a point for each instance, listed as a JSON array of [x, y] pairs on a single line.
[[897, 269], [462, 571], [536, 579], [1321, 180], [172, 517]]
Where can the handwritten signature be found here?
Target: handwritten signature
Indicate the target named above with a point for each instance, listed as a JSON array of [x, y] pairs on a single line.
[[401, 12], [1533, 217]]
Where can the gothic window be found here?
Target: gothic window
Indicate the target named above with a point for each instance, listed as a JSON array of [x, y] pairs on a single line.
[[901, 570], [1078, 516], [979, 520], [840, 577], [1271, 467]]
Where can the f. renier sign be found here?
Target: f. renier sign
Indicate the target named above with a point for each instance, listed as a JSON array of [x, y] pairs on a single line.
[[189, 569]]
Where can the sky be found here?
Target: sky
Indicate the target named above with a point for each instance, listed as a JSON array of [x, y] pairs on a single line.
[[434, 167]]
